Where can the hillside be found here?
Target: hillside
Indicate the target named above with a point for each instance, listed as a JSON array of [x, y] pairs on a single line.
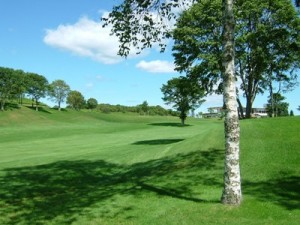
[[87, 167]]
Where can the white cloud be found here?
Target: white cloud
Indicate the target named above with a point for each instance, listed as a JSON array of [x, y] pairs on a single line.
[[156, 66], [85, 38]]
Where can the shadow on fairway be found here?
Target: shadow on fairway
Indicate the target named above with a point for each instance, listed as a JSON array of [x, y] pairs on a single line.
[[169, 124], [60, 192], [284, 191], [158, 142]]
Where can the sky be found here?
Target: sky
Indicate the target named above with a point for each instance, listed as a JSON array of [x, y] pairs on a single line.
[[64, 39]]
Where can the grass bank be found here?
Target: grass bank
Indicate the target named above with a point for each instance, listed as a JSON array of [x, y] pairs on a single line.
[[92, 168]]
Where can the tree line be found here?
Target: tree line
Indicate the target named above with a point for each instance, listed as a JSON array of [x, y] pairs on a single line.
[[16, 84]]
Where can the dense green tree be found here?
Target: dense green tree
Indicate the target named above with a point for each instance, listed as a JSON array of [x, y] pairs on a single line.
[[144, 108], [183, 95], [141, 23], [267, 45], [75, 100], [37, 87], [58, 92], [7, 85], [291, 113], [276, 106], [92, 103]]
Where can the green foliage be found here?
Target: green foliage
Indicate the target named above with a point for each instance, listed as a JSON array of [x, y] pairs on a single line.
[[58, 92], [92, 103], [75, 100], [197, 48], [152, 110], [276, 107], [93, 168], [37, 87], [144, 108], [12, 85], [291, 113], [266, 45], [183, 95], [142, 23]]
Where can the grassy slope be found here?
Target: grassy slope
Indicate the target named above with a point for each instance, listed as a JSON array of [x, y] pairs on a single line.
[[92, 168]]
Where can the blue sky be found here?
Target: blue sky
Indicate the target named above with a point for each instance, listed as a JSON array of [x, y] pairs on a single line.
[[63, 39]]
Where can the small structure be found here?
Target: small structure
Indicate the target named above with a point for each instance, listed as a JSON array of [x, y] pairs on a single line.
[[218, 112], [214, 112]]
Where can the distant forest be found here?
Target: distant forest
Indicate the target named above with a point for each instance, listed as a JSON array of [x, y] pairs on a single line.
[[18, 87]]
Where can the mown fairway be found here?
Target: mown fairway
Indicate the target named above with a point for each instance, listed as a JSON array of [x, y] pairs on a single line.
[[93, 168]]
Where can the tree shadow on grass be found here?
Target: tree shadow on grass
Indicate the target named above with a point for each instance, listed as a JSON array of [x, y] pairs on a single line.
[[158, 142], [284, 191], [11, 106], [66, 189], [40, 109], [169, 124]]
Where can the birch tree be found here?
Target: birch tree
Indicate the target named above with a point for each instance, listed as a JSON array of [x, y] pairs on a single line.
[[140, 23]]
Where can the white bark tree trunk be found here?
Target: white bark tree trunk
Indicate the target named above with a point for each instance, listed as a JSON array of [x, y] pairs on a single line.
[[232, 181]]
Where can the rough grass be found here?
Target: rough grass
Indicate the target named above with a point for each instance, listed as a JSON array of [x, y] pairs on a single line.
[[91, 168]]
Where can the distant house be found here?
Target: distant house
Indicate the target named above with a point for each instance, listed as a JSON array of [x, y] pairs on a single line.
[[213, 112], [259, 112], [217, 112]]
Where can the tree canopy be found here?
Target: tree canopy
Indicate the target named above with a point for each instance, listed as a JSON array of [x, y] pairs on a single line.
[[58, 92], [75, 100], [183, 95], [92, 103], [37, 87], [276, 106], [267, 44]]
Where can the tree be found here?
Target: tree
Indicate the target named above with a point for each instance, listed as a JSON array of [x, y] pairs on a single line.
[[20, 85], [267, 45], [37, 87], [144, 107], [58, 92], [7, 84], [92, 103], [291, 113], [183, 95], [298, 108], [276, 106], [134, 24], [75, 100]]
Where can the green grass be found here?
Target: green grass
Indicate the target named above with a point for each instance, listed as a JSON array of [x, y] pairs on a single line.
[[92, 168]]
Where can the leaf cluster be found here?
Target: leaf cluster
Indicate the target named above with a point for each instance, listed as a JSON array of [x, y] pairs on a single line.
[[183, 94], [75, 100], [141, 23]]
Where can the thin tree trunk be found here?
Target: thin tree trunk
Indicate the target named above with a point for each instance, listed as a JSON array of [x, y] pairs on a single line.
[[232, 182], [271, 99], [2, 103], [240, 109], [36, 105]]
